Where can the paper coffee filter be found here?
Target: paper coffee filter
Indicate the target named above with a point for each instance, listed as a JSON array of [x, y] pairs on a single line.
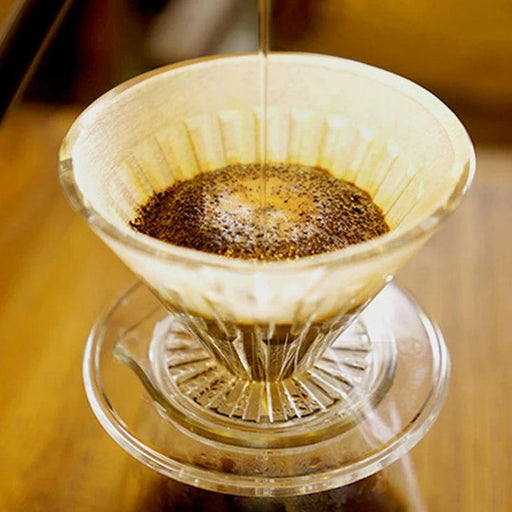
[[383, 133]]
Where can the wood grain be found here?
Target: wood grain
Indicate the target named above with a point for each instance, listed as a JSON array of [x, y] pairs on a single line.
[[55, 277], [463, 279]]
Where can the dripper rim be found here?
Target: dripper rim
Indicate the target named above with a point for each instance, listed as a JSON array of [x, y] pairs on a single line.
[[396, 238]]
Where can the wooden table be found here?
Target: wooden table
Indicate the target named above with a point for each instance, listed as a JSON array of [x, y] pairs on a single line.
[[56, 276]]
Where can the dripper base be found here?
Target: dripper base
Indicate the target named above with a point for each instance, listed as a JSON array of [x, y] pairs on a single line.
[[136, 415], [193, 389]]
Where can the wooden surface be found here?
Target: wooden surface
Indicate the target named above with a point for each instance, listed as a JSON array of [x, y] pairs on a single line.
[[56, 276]]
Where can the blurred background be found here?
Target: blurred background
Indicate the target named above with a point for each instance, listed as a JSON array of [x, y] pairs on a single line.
[[56, 276], [459, 49]]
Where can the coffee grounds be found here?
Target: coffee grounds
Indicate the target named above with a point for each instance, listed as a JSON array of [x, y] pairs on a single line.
[[307, 211]]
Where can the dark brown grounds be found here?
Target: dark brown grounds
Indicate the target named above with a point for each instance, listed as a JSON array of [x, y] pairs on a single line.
[[307, 212]]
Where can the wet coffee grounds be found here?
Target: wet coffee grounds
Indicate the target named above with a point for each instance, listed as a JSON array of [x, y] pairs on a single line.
[[307, 211]]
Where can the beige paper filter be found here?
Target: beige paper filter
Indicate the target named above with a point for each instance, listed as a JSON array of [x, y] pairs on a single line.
[[365, 125]]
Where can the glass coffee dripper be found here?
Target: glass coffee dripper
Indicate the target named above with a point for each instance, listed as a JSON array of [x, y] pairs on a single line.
[[278, 378]]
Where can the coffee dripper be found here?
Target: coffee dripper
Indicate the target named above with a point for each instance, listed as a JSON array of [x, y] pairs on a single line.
[[267, 378]]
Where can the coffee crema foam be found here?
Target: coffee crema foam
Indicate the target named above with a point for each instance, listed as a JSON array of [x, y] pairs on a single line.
[[307, 211]]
